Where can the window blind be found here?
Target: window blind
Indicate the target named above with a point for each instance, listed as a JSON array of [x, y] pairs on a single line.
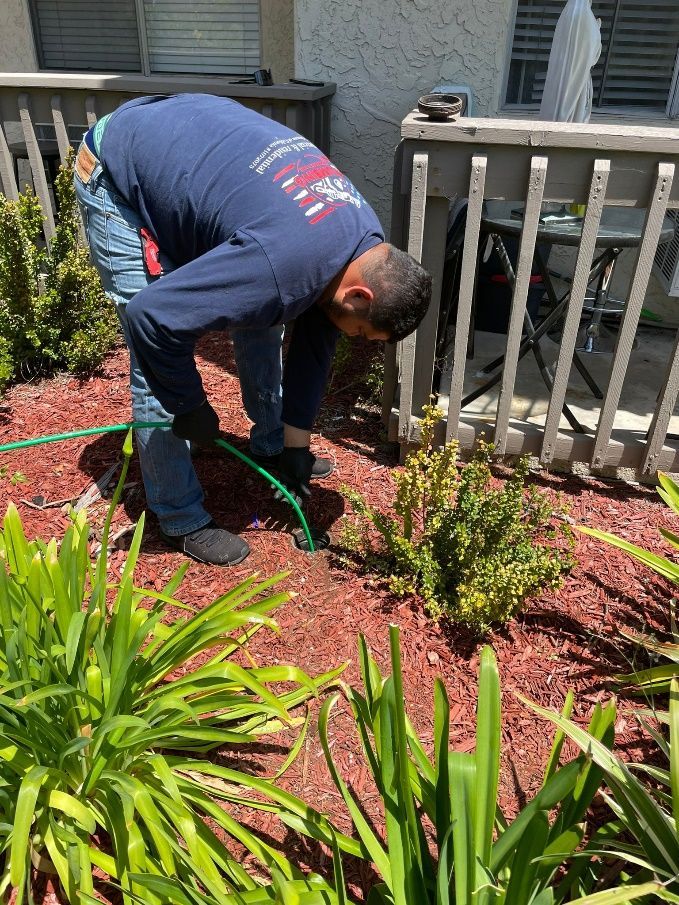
[[206, 36], [639, 47], [210, 37], [87, 35]]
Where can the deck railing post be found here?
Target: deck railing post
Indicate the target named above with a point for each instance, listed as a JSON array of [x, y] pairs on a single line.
[[418, 206], [37, 165], [8, 182]]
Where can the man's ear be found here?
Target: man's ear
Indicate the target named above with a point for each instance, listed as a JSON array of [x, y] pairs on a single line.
[[358, 298]]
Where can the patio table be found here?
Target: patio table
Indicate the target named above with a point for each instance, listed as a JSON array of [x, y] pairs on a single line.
[[619, 228]]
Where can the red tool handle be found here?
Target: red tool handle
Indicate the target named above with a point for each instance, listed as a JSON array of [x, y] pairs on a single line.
[[151, 253]]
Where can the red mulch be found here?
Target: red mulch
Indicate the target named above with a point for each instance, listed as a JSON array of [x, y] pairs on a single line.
[[567, 639]]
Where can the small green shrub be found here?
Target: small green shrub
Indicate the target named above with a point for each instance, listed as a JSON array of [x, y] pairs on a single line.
[[369, 381], [53, 310], [473, 550]]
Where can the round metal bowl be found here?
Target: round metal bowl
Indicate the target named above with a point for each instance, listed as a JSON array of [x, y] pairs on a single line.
[[440, 106]]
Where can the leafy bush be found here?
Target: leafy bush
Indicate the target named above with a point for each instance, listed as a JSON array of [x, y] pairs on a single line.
[[369, 380], [95, 689], [53, 311], [374, 380], [473, 550]]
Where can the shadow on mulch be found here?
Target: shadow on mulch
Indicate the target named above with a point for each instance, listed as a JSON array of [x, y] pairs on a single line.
[[310, 855], [575, 486], [236, 496], [232, 757], [217, 349]]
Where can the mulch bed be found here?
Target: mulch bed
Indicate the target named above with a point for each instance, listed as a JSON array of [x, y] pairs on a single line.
[[567, 639]]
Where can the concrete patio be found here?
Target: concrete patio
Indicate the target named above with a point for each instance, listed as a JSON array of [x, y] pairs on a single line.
[[643, 382]]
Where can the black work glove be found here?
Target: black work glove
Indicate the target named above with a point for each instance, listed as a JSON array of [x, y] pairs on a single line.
[[200, 425], [294, 468]]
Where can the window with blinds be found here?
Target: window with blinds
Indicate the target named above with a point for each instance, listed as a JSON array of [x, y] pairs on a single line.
[[215, 36], [84, 34], [208, 37], [639, 51]]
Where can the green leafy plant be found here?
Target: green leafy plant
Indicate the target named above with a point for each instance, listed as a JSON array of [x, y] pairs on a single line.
[[341, 359], [17, 477], [106, 701], [647, 813], [374, 380], [656, 679], [53, 310], [447, 841], [311, 889], [474, 550]]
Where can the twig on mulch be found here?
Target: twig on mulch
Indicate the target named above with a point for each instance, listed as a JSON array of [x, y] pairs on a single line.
[[96, 490], [114, 538], [46, 504]]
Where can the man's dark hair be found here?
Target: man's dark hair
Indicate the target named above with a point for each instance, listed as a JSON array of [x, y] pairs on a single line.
[[402, 293]]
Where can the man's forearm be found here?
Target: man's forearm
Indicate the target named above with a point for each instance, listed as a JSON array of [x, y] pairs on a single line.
[[295, 436]]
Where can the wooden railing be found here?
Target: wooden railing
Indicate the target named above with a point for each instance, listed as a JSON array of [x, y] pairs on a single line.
[[41, 114], [530, 162]]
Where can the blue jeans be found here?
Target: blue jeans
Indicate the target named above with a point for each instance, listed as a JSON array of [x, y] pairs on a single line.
[[172, 488]]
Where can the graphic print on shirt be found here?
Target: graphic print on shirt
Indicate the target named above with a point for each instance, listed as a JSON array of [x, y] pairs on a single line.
[[317, 185], [312, 181]]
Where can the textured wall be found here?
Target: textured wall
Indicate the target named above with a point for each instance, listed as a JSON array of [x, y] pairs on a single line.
[[384, 54], [277, 38], [17, 53]]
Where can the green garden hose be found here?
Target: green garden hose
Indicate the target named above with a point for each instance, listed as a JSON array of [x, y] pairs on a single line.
[[112, 428]]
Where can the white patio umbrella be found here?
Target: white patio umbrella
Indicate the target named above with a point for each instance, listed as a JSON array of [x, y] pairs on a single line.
[[576, 47]]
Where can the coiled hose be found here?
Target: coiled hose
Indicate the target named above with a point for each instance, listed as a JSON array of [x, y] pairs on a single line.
[[112, 428]]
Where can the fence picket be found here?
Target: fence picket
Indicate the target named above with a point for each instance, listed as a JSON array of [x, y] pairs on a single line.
[[8, 181], [37, 165], [667, 399], [590, 228], [468, 268], [531, 219], [418, 204], [60, 127], [397, 237], [91, 110], [657, 205]]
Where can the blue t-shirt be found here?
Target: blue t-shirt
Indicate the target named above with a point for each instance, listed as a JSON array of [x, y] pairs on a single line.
[[257, 222]]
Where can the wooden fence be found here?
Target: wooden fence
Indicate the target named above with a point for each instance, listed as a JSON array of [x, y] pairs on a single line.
[[41, 114], [532, 162]]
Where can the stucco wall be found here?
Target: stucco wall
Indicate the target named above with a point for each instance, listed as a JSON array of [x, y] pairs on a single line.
[[384, 54], [277, 38], [17, 53]]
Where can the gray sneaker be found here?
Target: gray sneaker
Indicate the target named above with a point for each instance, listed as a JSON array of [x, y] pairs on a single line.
[[210, 544]]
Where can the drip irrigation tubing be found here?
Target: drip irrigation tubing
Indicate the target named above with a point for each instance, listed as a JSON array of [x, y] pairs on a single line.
[[112, 428]]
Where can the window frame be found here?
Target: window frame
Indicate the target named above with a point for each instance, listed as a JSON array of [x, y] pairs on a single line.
[[145, 68], [670, 113]]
